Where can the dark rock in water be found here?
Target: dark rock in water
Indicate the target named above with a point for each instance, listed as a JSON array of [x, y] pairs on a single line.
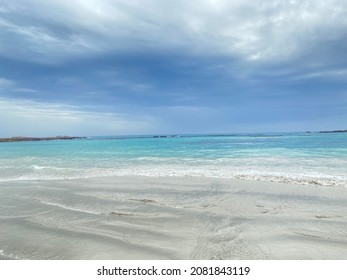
[[334, 131], [165, 136], [21, 139]]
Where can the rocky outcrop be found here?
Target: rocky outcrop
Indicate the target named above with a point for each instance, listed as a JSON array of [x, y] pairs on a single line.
[[20, 138], [333, 131]]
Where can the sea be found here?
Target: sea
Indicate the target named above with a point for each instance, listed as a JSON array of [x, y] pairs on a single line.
[[298, 158]]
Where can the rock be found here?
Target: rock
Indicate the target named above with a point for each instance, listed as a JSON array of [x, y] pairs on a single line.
[[20, 138]]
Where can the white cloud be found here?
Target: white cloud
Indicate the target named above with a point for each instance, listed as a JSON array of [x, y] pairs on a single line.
[[6, 83], [29, 118], [13, 86], [254, 30], [327, 74]]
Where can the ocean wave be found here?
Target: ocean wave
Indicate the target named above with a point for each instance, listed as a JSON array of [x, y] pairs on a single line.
[[42, 167], [297, 176]]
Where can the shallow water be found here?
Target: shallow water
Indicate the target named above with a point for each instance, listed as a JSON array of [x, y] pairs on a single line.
[[302, 158]]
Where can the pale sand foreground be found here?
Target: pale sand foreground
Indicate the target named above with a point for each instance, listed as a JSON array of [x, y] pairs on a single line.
[[171, 218]]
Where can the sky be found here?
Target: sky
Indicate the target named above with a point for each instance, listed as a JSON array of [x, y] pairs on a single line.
[[134, 67]]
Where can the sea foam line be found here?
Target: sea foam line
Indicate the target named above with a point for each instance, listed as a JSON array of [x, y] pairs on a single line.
[[315, 178], [67, 207]]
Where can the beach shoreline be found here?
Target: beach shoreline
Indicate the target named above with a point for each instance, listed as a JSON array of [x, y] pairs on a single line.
[[31, 139], [140, 217]]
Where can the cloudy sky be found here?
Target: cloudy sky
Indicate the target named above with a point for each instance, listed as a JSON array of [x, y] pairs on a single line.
[[110, 67]]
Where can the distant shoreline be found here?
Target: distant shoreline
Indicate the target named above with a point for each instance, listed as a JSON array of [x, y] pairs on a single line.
[[333, 131], [22, 139]]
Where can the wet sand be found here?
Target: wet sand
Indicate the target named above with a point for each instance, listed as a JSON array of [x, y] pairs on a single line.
[[171, 218]]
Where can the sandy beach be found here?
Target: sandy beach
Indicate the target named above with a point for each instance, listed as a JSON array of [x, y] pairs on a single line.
[[171, 218]]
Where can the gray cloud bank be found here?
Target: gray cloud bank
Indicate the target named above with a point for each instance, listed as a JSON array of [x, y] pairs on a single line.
[[229, 65], [254, 30]]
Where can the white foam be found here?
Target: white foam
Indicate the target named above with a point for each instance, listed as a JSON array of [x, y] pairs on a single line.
[[8, 256], [307, 171], [37, 167]]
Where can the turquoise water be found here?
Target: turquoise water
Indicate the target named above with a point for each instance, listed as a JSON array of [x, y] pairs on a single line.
[[305, 158]]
